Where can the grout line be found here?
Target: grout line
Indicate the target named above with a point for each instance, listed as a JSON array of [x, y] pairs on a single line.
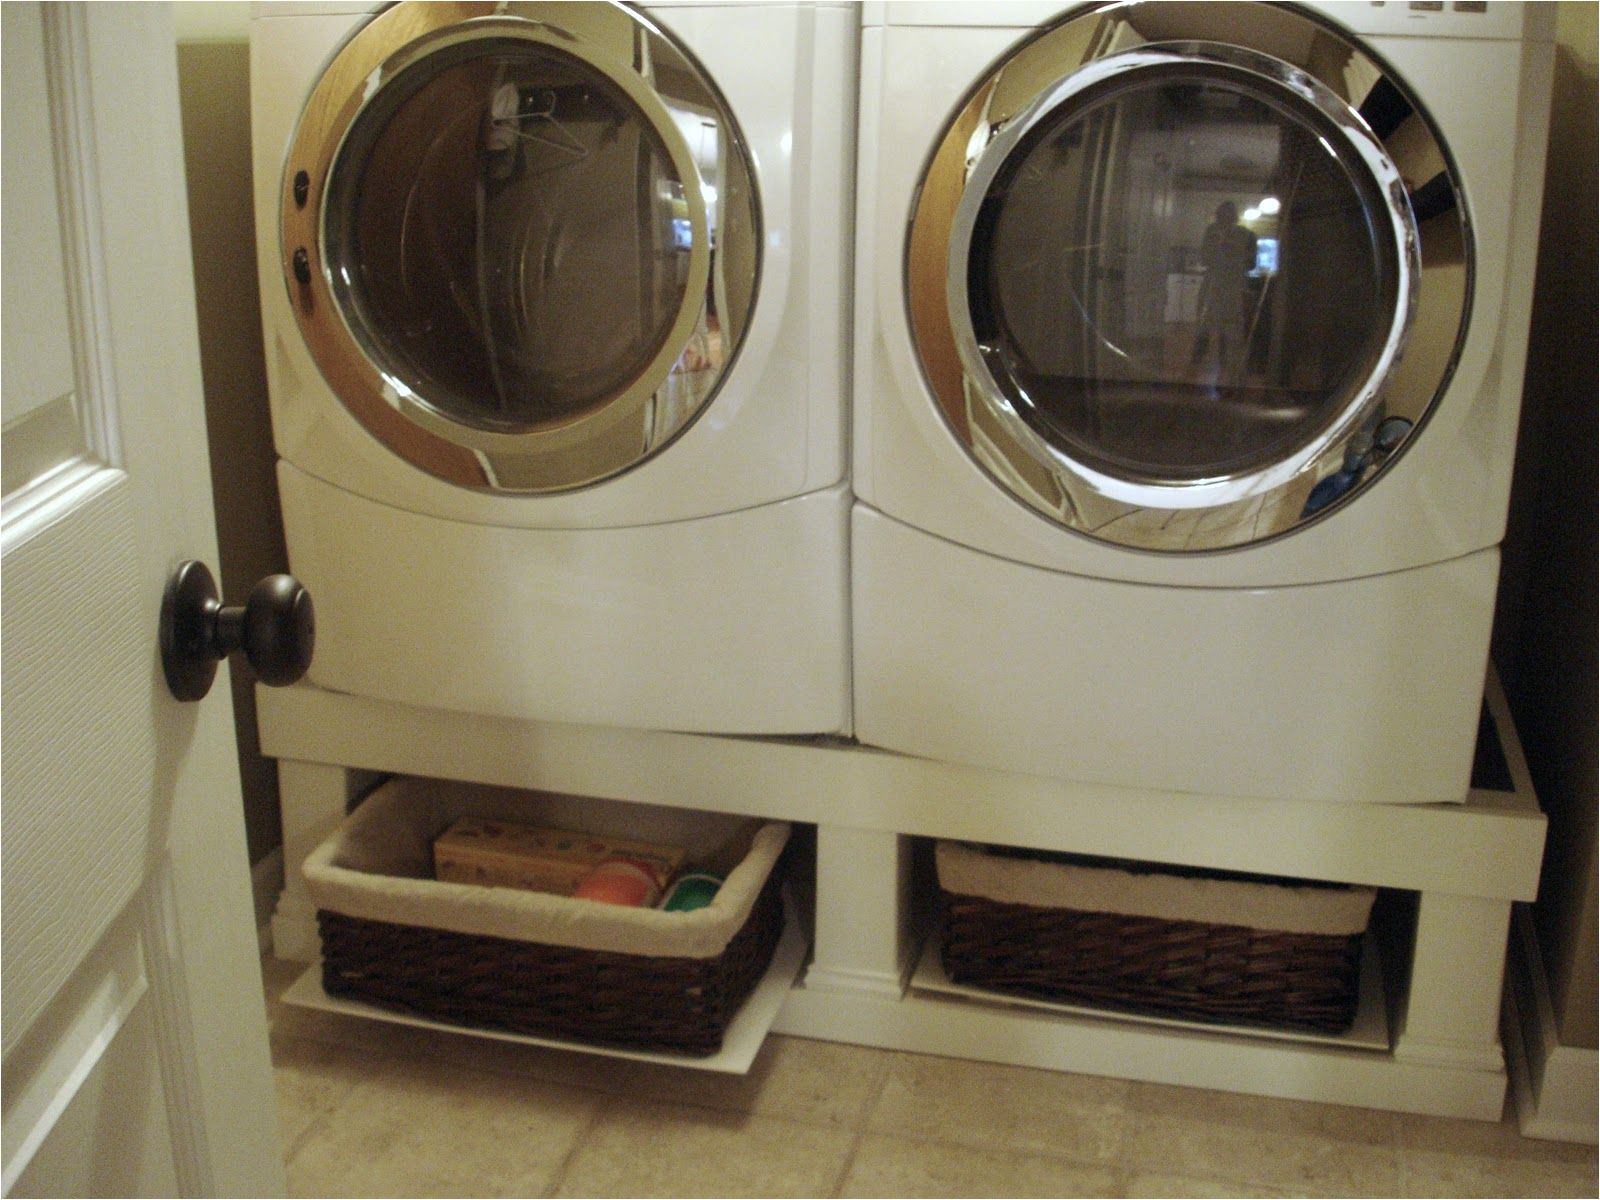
[[863, 1121], [293, 1148], [601, 1110], [1121, 1162], [323, 1120], [885, 1069], [849, 1162]]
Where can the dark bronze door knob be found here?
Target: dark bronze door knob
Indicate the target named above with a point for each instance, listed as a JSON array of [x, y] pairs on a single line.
[[275, 627]]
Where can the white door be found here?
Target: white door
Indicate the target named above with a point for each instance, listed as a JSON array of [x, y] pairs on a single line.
[[135, 1048]]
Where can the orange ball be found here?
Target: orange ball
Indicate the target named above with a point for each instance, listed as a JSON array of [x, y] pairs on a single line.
[[618, 881]]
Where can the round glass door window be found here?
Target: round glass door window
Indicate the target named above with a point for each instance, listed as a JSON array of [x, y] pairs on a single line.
[[507, 239], [1157, 333], [1180, 282]]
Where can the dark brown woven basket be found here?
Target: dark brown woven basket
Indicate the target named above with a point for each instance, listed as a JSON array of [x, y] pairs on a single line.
[[1186, 969], [636, 1001]]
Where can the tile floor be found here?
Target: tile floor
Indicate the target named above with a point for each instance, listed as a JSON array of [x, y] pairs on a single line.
[[369, 1109]]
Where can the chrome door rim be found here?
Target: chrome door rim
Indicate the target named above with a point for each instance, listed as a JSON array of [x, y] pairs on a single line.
[[975, 145], [607, 437]]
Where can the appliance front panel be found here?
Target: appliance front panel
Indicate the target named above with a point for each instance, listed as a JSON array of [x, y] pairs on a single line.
[[1503, 20], [731, 624], [1361, 691]]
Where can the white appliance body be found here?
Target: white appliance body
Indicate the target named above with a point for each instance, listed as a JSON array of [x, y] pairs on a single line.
[[701, 586], [1341, 658]]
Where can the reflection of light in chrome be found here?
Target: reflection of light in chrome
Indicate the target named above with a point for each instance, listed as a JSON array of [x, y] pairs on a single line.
[[393, 390], [709, 192], [1269, 205]]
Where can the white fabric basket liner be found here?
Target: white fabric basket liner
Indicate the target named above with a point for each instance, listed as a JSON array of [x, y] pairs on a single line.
[[378, 866], [1278, 908]]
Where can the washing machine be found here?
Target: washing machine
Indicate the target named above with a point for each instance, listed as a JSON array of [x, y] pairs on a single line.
[[554, 299], [1190, 342]]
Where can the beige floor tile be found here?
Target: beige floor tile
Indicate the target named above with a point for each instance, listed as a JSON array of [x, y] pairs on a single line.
[[1283, 1145], [337, 1029], [798, 1079], [375, 1108], [1145, 1183], [992, 1107], [422, 1128], [1501, 1139], [1476, 1158], [902, 1166], [649, 1149], [571, 1068], [312, 1080], [1430, 1173]]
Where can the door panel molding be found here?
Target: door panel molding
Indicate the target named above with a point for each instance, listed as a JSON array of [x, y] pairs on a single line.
[[44, 1076], [174, 1031], [77, 174], [61, 454], [74, 853]]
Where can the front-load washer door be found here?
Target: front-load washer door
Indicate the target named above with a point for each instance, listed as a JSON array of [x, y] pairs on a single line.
[[1184, 277], [505, 231]]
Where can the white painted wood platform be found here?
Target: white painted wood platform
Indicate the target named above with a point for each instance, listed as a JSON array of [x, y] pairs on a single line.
[[1461, 865]]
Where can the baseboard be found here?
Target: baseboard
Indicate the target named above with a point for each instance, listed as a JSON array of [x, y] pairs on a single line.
[[1554, 1087], [266, 881], [851, 981]]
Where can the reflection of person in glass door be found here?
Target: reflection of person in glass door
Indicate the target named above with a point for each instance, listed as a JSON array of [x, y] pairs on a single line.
[[1227, 255]]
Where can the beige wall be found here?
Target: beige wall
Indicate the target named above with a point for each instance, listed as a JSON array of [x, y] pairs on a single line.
[[214, 86], [1545, 636]]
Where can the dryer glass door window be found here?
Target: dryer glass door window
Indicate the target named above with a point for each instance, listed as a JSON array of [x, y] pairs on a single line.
[[1180, 279], [521, 240], [505, 232]]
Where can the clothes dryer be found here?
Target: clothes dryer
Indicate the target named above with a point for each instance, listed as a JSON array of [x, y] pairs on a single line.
[[1189, 354], [553, 298]]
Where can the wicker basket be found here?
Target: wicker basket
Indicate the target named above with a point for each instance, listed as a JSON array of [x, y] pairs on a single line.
[[569, 969], [1196, 945]]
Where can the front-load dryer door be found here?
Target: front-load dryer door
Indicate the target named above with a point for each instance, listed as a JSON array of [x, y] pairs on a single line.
[[1186, 276], [505, 231]]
